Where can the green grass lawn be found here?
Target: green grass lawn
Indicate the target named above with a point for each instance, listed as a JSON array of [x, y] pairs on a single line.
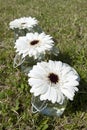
[[66, 22]]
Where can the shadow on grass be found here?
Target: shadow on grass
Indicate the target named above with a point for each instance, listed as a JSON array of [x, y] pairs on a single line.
[[80, 100], [64, 57]]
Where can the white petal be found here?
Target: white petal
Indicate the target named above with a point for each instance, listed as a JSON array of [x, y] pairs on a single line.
[[53, 95], [33, 81], [41, 90], [60, 97], [68, 94], [71, 83], [46, 95]]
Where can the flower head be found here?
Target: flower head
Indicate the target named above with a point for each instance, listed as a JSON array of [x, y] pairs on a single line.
[[33, 44], [23, 23], [53, 81]]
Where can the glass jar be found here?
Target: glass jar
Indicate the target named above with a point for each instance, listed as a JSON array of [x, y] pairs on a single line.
[[25, 64], [22, 32], [19, 32], [46, 107]]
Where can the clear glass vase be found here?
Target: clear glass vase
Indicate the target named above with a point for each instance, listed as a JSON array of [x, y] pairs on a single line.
[[22, 32], [26, 64], [19, 32], [46, 107]]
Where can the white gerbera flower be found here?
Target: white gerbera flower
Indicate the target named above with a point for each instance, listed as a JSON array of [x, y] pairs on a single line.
[[33, 44], [23, 23], [54, 81]]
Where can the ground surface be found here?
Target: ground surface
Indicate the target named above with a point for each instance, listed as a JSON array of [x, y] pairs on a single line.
[[66, 21]]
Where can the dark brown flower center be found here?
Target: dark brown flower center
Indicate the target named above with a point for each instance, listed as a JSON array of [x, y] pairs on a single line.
[[53, 78], [23, 23], [34, 42]]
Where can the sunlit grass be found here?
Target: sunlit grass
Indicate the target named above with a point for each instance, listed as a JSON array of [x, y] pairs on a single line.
[[66, 21]]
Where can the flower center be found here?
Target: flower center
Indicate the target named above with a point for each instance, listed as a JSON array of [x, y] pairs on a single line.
[[23, 23], [53, 78], [34, 42]]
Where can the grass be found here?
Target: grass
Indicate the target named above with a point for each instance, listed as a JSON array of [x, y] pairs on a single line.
[[66, 21]]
